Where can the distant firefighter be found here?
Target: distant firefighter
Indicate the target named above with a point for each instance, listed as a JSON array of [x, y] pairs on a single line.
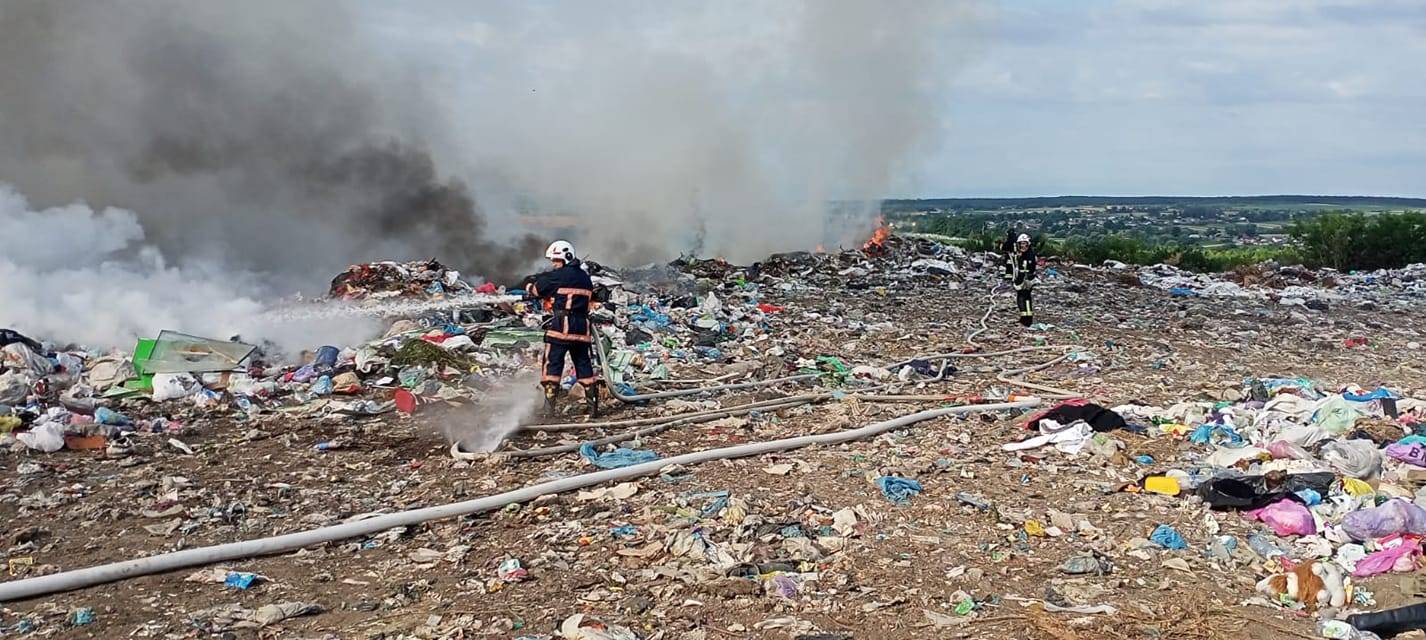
[[1007, 247], [1023, 278]]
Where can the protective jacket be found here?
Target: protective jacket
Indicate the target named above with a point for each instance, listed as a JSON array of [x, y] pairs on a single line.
[[1023, 269], [1007, 247], [568, 291]]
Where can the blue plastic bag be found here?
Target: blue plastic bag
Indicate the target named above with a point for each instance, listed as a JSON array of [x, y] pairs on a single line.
[[617, 458], [897, 489], [1167, 537]]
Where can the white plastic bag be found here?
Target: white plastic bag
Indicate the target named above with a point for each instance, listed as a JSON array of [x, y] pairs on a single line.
[[46, 436], [172, 386], [1353, 458]]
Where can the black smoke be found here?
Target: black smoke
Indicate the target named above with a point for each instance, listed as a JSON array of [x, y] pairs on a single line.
[[261, 135]]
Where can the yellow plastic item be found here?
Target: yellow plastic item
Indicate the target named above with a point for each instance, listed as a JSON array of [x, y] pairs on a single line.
[[1175, 429], [1035, 528], [1356, 487], [1162, 485]]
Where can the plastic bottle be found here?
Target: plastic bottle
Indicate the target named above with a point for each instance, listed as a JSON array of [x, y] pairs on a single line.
[[1264, 547]]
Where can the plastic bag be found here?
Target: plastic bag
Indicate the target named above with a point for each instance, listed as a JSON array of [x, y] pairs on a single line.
[[1399, 559], [14, 386], [323, 386], [1353, 458], [1167, 537], [1413, 454], [172, 386], [46, 436], [1395, 516], [898, 489], [1284, 450], [1335, 415], [1286, 518], [18, 355]]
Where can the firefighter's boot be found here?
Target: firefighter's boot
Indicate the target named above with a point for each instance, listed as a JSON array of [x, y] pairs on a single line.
[[552, 390], [591, 399]]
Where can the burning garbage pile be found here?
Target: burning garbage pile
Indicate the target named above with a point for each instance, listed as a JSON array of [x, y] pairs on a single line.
[[384, 280], [1222, 465]]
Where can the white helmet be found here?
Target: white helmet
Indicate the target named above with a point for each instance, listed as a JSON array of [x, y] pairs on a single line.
[[560, 250], [1023, 238]]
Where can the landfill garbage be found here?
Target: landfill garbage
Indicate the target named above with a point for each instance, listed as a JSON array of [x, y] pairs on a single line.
[[1167, 537], [385, 280], [1164, 485], [1339, 630], [1286, 518], [578, 627], [1403, 557], [81, 616], [240, 580], [1255, 492], [1202, 395], [1313, 583], [235, 616], [511, 571], [1353, 458], [897, 489], [1086, 564], [617, 458], [1391, 518]]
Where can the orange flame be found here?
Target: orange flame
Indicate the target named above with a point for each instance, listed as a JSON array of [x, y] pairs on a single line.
[[821, 249], [878, 237]]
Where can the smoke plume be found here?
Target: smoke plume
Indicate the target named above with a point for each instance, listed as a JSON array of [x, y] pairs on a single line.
[[260, 147], [726, 126], [89, 277], [263, 135]]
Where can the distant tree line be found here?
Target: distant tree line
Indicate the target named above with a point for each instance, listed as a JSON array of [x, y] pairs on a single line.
[[1341, 240], [954, 204], [1359, 242]]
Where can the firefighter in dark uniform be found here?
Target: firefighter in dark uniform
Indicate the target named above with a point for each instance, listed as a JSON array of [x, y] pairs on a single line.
[[568, 294], [1023, 278], [1007, 247]]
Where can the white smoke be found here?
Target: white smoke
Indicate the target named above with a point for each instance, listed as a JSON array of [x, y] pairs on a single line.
[[73, 274], [724, 128], [496, 415]]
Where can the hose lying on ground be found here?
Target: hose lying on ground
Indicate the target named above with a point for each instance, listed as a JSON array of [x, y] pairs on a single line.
[[662, 423], [81, 578]]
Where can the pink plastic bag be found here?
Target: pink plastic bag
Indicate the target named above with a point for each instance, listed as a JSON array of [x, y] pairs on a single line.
[[1399, 559], [1284, 450], [1286, 518]]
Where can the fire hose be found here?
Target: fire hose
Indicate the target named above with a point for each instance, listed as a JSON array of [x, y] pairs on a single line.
[[106, 573], [654, 425], [81, 578]]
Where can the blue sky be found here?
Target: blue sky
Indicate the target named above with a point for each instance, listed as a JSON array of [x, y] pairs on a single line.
[[1198, 98], [1025, 97]]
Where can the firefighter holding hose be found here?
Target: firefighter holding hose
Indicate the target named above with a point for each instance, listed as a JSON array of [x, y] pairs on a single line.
[[1023, 278], [568, 293]]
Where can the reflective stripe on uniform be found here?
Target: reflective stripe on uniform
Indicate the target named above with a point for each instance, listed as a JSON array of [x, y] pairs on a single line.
[[572, 337], [545, 366]]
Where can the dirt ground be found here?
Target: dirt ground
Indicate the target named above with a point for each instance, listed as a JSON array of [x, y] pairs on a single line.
[[439, 580]]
